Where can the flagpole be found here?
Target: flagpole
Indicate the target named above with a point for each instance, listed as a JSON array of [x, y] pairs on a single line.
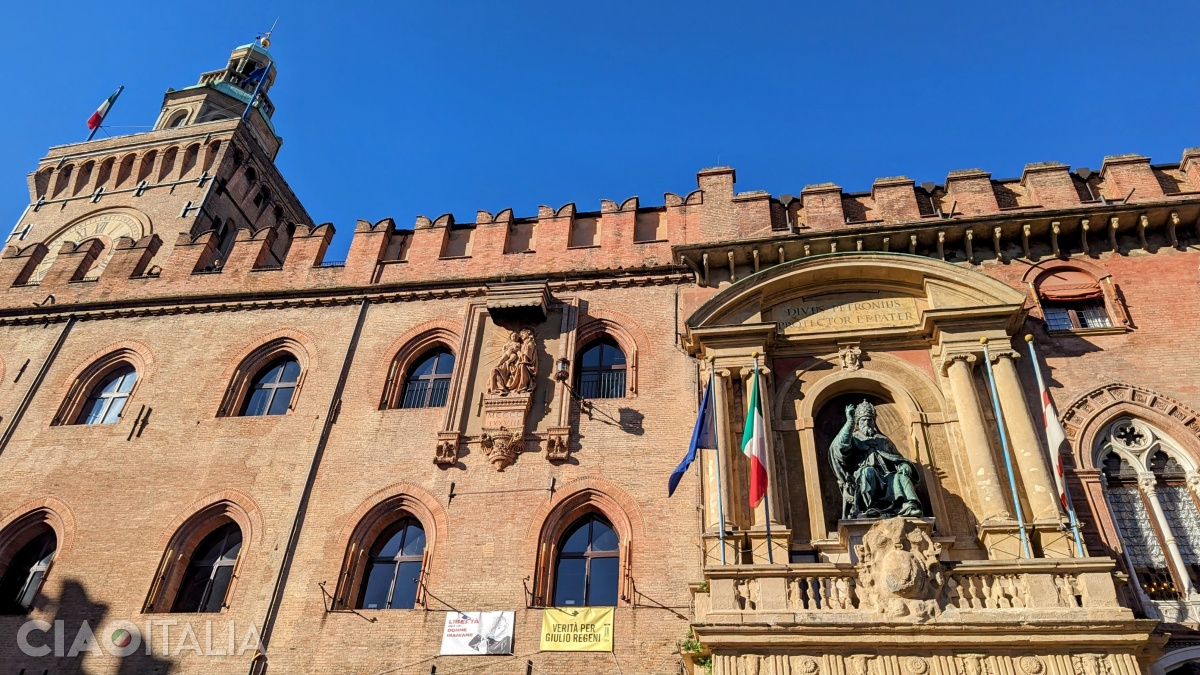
[[720, 487], [1037, 371], [1012, 480], [110, 105], [766, 495], [257, 88]]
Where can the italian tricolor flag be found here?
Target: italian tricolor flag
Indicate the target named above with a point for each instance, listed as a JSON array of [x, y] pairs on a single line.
[[754, 446], [98, 116]]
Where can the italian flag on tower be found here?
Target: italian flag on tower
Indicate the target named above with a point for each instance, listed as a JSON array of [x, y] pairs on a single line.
[[754, 444]]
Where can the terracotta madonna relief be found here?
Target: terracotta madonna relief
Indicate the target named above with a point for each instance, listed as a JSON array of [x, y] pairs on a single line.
[[517, 368]]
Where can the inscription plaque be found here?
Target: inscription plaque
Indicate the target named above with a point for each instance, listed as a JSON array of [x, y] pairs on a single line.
[[845, 311]]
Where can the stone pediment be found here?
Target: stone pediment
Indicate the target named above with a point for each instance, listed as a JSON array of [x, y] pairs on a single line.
[[883, 294]]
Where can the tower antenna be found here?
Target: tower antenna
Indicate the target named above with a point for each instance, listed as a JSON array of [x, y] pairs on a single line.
[[265, 38]]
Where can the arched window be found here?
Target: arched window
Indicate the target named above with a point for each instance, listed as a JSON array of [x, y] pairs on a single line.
[[394, 567], [206, 581], [23, 579], [178, 120], [1073, 299], [586, 572], [600, 372], [108, 398], [262, 196], [428, 382], [1153, 509], [272, 389]]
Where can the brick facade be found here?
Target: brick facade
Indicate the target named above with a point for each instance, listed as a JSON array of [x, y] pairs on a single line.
[[215, 277]]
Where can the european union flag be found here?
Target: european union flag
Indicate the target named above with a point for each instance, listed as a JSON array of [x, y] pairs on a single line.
[[256, 75], [703, 436]]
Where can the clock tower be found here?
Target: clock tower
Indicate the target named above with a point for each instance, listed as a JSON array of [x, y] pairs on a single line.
[[206, 166]]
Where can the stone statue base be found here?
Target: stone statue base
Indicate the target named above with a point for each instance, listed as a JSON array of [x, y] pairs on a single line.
[[851, 532], [504, 427]]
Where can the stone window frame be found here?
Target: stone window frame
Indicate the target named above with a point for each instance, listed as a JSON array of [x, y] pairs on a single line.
[[601, 327], [1113, 299], [172, 568], [1147, 484], [91, 375], [365, 534], [250, 367], [412, 351], [562, 516]]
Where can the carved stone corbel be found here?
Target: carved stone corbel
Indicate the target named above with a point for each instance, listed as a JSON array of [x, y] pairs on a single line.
[[446, 453], [558, 444], [501, 446]]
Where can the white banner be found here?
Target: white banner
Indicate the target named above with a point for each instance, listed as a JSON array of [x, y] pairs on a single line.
[[477, 633]]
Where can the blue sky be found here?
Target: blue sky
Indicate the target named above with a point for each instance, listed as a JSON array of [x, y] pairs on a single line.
[[405, 108]]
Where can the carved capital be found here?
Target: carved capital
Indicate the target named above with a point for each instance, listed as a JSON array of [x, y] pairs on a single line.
[[1193, 482], [998, 354], [948, 360], [1148, 482]]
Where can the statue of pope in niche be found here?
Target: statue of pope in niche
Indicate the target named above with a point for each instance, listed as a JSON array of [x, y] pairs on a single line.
[[875, 480]]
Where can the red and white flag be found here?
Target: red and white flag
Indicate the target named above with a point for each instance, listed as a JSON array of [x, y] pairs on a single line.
[[754, 446], [1055, 435], [98, 116]]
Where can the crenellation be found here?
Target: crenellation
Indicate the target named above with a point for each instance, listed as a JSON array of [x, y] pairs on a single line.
[[130, 259], [308, 248], [618, 235], [895, 199], [18, 264], [190, 255], [1050, 184], [1129, 177], [1190, 165], [821, 206], [969, 192], [73, 262]]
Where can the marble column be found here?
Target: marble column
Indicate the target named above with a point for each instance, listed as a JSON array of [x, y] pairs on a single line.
[[985, 478], [1024, 438], [1148, 482]]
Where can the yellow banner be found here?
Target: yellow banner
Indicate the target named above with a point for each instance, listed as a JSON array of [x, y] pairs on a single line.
[[583, 629]]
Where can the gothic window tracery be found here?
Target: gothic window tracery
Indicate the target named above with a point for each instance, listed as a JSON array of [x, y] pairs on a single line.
[[1149, 486]]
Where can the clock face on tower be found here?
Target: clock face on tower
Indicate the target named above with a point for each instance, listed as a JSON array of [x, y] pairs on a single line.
[[107, 227]]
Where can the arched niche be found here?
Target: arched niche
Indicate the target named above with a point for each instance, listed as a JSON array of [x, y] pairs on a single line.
[[906, 314], [909, 411]]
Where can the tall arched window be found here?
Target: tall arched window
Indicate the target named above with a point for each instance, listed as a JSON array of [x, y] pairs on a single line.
[[272, 389], [107, 399], [428, 382], [206, 581], [23, 579], [394, 568], [586, 572], [601, 370], [1154, 510]]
